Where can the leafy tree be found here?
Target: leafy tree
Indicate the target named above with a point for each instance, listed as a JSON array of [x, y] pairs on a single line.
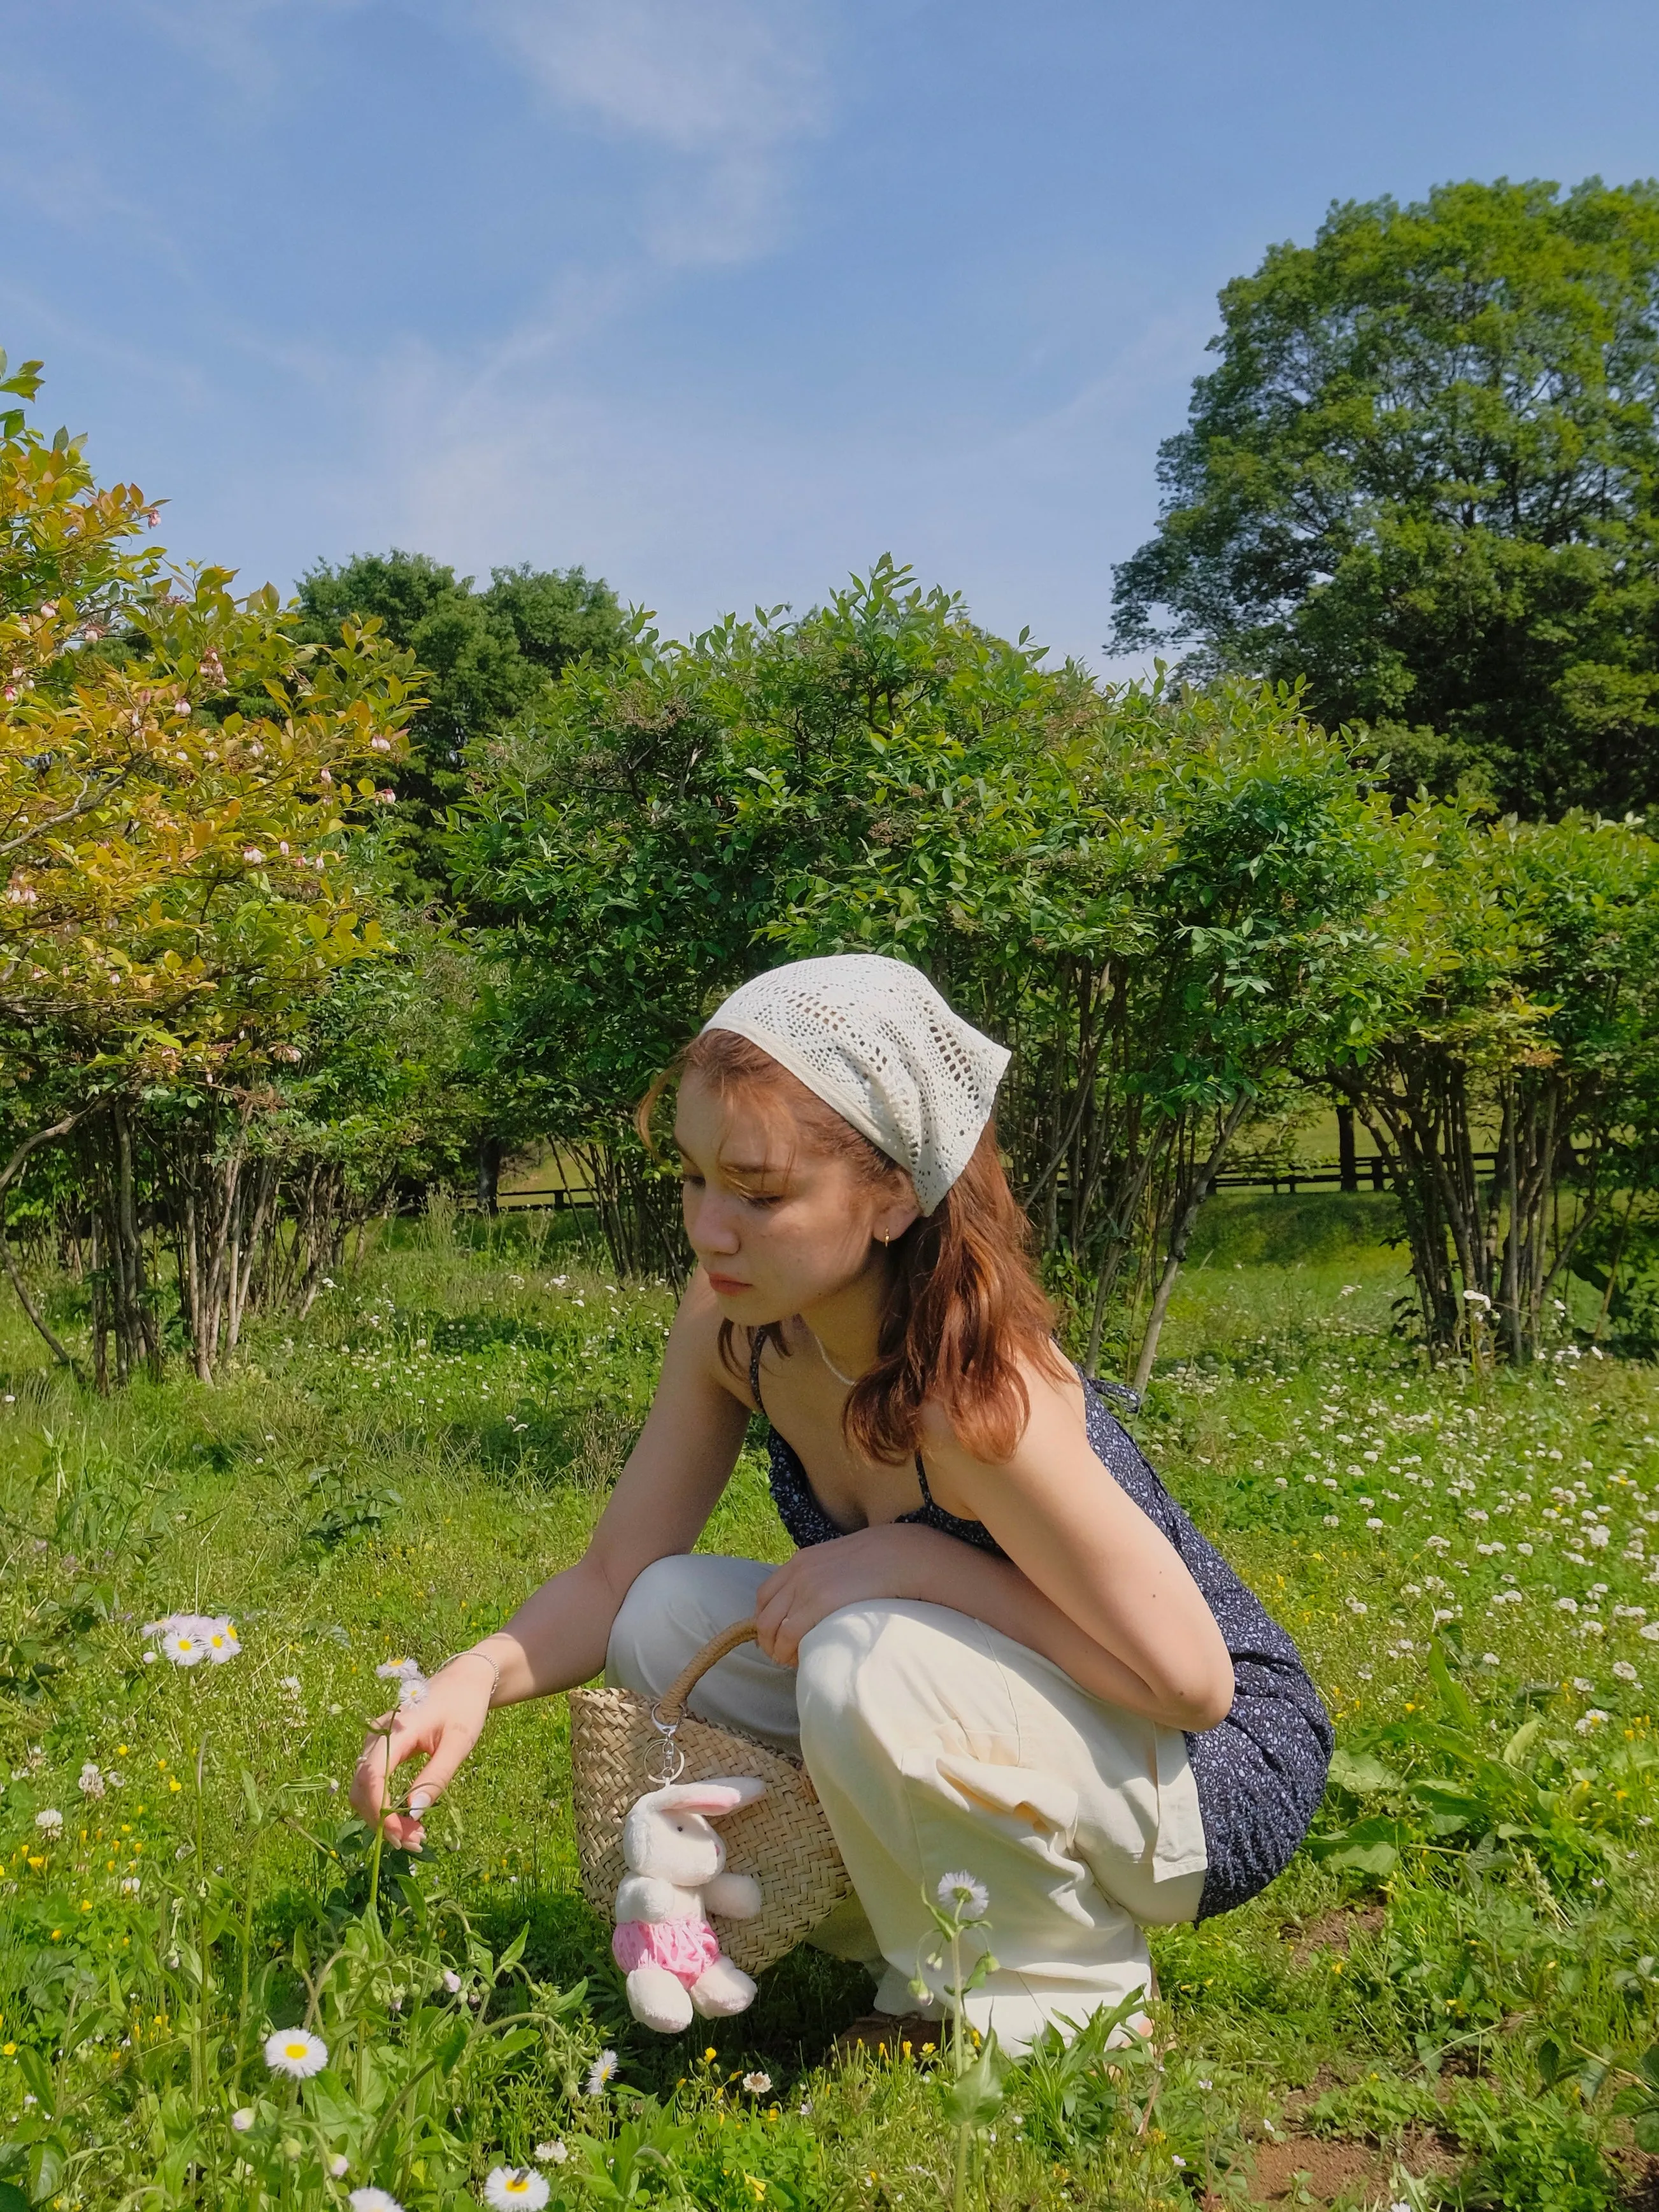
[[485, 655], [1168, 904], [1534, 1029], [181, 881], [1424, 475]]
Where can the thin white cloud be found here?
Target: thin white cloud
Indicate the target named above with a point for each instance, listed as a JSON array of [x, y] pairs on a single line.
[[520, 455], [724, 87], [228, 37]]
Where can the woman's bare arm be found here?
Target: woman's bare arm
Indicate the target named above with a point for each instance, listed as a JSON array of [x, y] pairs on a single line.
[[558, 1636], [1089, 1582], [671, 1484]]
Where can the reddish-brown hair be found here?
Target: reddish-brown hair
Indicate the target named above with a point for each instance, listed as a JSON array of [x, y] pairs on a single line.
[[964, 1310]]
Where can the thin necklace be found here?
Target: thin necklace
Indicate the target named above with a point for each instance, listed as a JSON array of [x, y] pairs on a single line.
[[849, 1381]]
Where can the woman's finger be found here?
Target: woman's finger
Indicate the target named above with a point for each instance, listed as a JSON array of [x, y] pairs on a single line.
[[385, 1749], [447, 1755], [770, 1610], [780, 1580]]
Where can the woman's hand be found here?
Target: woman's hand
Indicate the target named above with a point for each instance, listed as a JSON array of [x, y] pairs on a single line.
[[890, 1561], [444, 1725]]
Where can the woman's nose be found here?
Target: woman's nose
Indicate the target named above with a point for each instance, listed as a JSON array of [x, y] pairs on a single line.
[[711, 1228]]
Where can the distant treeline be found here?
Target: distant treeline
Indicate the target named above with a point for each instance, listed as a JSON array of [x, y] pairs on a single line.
[[310, 909]]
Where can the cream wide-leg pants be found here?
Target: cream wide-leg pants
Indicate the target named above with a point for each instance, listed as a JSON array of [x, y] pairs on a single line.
[[937, 1746]]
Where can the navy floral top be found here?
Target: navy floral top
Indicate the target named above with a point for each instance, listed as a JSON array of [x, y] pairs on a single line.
[[1260, 1772]]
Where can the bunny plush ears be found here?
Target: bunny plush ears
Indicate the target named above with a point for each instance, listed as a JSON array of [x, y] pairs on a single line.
[[721, 1793]]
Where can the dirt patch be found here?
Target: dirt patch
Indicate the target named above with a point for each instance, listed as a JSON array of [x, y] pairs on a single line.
[[1331, 1931], [1340, 2172], [1356, 2171], [1299, 2100]]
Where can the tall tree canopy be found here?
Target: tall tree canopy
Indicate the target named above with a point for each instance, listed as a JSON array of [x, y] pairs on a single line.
[[485, 654], [1425, 476]]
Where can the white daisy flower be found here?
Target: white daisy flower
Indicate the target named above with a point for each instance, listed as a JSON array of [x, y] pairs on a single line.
[[412, 1693], [554, 2152], [242, 2120], [399, 1670], [758, 2085], [222, 1641], [508, 2187], [186, 1646], [963, 1894], [296, 2052], [1624, 1672], [602, 2070], [50, 1821], [373, 2200], [1592, 1719]]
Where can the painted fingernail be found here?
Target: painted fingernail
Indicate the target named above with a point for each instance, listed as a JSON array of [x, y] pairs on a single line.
[[418, 1803]]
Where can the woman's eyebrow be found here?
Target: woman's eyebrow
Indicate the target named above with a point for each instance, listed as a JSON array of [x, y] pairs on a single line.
[[748, 1170]]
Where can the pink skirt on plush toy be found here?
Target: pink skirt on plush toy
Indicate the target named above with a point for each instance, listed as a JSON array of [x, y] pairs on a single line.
[[686, 1947]]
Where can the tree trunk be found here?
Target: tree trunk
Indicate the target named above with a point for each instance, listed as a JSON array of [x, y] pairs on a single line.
[[487, 1175], [9, 1174], [1347, 1157], [1188, 1206]]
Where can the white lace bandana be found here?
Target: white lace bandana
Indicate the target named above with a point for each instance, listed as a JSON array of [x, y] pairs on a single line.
[[872, 1038]]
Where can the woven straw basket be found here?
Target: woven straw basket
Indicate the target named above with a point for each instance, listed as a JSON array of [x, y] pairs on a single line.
[[619, 1740]]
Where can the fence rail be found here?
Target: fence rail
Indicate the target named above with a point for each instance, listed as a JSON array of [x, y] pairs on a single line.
[[1370, 1173], [557, 1198]]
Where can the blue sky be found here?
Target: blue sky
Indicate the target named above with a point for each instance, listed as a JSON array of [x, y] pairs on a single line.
[[722, 298]]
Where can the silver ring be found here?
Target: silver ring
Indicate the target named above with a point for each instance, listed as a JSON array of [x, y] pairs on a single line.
[[670, 1766]]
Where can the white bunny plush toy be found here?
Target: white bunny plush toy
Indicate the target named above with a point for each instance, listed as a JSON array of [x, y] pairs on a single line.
[[676, 1878]]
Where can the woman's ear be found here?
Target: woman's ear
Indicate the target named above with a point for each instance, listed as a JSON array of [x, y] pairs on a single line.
[[893, 1217]]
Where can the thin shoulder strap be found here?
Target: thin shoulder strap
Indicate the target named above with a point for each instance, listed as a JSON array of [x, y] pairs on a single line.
[[757, 1345], [922, 1477]]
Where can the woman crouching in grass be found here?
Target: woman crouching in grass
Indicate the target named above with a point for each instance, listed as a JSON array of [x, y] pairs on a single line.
[[999, 1645]]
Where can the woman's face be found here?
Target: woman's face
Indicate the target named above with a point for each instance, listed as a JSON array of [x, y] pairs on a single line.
[[779, 1224]]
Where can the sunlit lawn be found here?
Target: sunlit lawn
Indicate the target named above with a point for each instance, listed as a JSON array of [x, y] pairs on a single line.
[[390, 1478]]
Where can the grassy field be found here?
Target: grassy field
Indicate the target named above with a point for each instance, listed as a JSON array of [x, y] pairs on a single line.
[[1446, 2000]]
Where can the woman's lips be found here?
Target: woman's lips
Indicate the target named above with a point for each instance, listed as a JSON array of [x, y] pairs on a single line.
[[726, 1286]]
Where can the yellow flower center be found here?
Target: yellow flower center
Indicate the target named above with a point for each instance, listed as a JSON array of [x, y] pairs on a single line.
[[294, 2049]]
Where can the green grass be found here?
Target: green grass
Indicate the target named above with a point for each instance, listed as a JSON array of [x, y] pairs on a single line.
[[391, 1477]]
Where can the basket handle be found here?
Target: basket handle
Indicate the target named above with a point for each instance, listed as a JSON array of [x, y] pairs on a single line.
[[670, 1708]]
